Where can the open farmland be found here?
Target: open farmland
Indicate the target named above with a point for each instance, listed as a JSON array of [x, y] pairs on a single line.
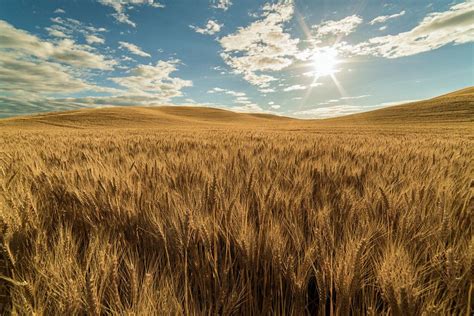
[[270, 216]]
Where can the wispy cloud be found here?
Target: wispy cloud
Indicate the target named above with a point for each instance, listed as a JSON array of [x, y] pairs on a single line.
[[226, 91], [240, 98], [221, 4], [384, 18], [121, 6], [341, 27], [355, 97], [434, 31], [94, 39], [69, 28], [134, 49], [295, 88], [212, 27], [275, 106], [326, 37], [330, 111], [248, 108]]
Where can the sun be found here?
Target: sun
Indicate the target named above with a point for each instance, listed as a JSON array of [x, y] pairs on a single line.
[[325, 61]]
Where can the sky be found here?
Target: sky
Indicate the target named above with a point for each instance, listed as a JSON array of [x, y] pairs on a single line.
[[300, 58]]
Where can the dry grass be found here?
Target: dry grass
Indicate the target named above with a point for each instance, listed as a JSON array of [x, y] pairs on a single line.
[[236, 221]]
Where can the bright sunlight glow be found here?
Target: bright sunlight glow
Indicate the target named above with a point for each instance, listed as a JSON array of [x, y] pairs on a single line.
[[325, 62]]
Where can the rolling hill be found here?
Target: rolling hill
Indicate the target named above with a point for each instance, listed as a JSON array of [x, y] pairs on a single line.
[[131, 117], [456, 107]]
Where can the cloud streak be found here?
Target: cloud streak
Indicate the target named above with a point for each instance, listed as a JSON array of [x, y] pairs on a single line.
[[121, 6], [295, 88], [384, 18], [134, 49], [341, 27], [221, 4], [434, 31], [329, 111], [211, 28]]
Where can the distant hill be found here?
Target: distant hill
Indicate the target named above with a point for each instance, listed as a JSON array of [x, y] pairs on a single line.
[[456, 107], [136, 117], [453, 107]]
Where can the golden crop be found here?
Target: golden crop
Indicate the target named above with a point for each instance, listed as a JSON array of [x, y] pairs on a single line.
[[236, 221]]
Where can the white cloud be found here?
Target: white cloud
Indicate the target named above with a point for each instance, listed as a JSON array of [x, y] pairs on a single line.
[[295, 88], [94, 39], [12, 106], [154, 81], [31, 76], [243, 101], [65, 51], [346, 98], [59, 11], [262, 46], [384, 18], [393, 103], [341, 27], [134, 49], [345, 109], [226, 91], [67, 28], [32, 69], [121, 6], [127, 58], [123, 18], [330, 111], [248, 108], [326, 38], [146, 86], [236, 94], [383, 28], [434, 31], [221, 4], [56, 33], [275, 106], [355, 97], [240, 98], [70, 26], [34, 74], [216, 89], [212, 27]]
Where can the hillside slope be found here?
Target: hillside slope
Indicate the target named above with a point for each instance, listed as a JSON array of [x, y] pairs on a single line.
[[455, 107], [452, 108], [135, 117]]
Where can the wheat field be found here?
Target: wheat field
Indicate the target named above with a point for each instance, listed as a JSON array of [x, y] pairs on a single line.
[[236, 221]]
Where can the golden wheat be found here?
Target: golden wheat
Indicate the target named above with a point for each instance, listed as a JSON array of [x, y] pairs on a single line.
[[236, 222]]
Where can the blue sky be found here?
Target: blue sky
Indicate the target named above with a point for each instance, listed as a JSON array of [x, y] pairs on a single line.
[[302, 58]]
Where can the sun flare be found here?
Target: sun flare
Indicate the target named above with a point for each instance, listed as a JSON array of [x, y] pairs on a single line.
[[325, 62]]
